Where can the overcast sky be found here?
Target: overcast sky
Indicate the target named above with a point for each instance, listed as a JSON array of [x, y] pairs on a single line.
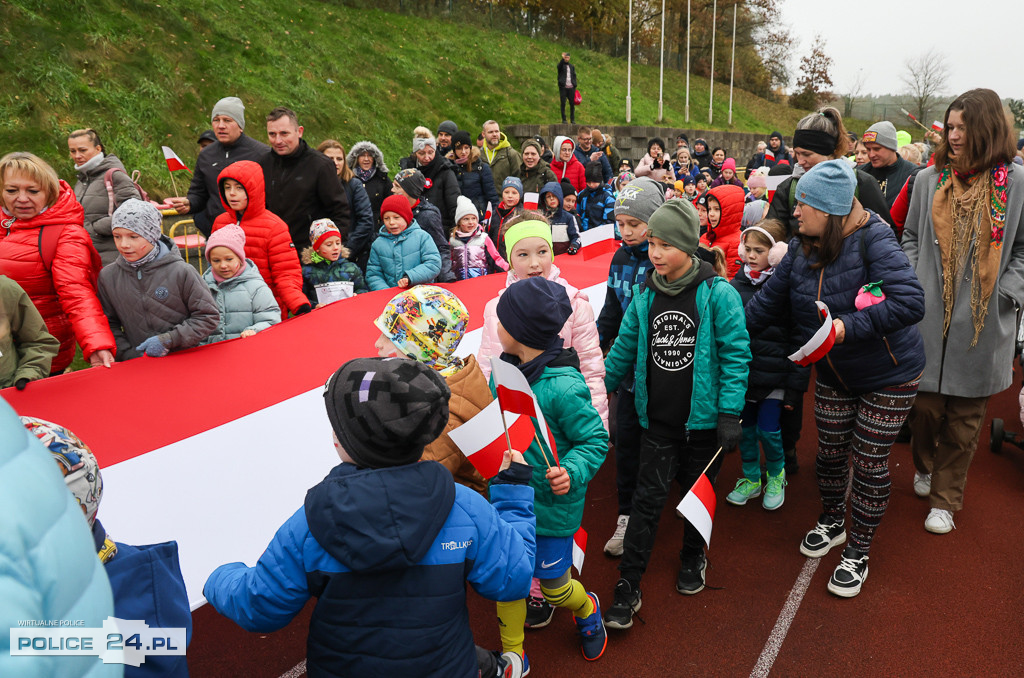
[[878, 36]]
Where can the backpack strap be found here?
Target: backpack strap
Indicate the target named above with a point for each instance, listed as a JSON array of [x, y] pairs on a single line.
[[48, 237], [108, 182]]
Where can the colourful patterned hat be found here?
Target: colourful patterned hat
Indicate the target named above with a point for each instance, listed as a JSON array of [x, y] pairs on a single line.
[[75, 460], [426, 323]]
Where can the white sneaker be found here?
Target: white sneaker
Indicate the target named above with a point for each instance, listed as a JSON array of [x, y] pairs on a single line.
[[614, 546], [939, 521], [922, 484]]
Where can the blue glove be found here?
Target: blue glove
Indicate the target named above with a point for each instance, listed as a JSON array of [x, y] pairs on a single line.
[[153, 347]]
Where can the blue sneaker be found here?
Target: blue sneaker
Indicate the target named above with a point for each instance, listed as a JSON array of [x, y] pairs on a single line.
[[593, 637]]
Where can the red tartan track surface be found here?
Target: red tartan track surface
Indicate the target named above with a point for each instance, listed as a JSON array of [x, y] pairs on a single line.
[[949, 605]]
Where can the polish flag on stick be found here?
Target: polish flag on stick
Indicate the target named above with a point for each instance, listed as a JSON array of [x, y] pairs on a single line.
[[531, 200], [820, 343], [937, 126], [598, 241], [698, 506], [484, 438], [579, 549], [174, 163], [516, 396], [768, 154]]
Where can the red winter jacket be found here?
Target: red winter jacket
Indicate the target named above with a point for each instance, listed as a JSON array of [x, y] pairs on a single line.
[[66, 294], [573, 171], [267, 240], [727, 234]]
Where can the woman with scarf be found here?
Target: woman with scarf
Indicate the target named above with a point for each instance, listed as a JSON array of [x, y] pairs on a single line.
[[965, 236], [848, 259]]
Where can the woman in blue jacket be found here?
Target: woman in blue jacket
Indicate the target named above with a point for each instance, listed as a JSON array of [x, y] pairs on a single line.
[[867, 382]]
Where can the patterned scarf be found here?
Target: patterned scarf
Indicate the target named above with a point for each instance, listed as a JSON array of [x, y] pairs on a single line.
[[969, 215], [364, 175]]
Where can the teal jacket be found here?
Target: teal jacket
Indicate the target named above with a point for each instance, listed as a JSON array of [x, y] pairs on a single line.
[[411, 253], [581, 443], [720, 363], [48, 564]]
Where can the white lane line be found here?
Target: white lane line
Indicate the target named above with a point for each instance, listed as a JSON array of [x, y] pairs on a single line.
[[296, 671], [778, 635]]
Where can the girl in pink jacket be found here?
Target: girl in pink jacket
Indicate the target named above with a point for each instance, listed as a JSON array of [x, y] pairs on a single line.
[[529, 247]]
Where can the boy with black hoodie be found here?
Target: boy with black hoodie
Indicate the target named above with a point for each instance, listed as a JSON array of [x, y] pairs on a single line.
[[565, 232], [686, 339], [386, 542]]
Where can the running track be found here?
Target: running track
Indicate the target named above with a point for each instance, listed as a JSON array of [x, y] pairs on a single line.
[[933, 605]]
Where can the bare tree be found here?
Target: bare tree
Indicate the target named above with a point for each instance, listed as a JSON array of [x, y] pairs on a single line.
[[925, 78], [854, 93]]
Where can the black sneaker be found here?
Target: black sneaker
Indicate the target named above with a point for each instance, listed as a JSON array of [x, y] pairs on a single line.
[[826, 534], [792, 465], [851, 573], [626, 603], [538, 613], [691, 575]]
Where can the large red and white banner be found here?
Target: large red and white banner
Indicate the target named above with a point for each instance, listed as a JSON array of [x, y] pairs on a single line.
[[215, 447]]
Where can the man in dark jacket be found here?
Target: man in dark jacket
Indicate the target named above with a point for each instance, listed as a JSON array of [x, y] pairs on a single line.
[[567, 86], [386, 542], [203, 198], [586, 152], [884, 163], [302, 183]]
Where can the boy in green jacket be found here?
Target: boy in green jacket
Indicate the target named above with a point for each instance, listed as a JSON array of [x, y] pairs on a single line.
[[531, 313], [26, 348], [685, 334]]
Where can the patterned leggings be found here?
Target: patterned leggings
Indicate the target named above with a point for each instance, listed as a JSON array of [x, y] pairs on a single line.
[[864, 427]]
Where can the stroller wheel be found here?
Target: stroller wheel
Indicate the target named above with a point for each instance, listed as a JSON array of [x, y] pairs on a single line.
[[997, 436]]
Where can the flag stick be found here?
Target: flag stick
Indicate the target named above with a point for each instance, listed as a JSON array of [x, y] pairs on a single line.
[[173, 185], [710, 462], [919, 123], [508, 441], [541, 446]]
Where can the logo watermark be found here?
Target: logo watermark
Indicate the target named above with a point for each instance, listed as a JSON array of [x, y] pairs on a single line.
[[119, 641]]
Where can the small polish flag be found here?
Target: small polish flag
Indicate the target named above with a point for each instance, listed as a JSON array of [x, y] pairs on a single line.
[[579, 549], [531, 200], [174, 163], [482, 438], [598, 241], [820, 343], [698, 506], [515, 395], [938, 126], [487, 213], [768, 154]]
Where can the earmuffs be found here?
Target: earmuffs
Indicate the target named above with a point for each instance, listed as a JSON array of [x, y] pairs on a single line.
[[777, 252]]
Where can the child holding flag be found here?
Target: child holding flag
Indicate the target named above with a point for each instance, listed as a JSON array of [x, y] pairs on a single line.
[[683, 334], [530, 314]]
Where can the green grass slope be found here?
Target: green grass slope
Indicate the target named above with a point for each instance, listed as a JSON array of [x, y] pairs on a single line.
[[146, 74]]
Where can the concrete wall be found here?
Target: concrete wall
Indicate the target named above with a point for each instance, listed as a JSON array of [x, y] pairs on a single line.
[[632, 141]]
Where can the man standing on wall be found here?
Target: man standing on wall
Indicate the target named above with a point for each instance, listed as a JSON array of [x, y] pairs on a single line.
[[567, 86]]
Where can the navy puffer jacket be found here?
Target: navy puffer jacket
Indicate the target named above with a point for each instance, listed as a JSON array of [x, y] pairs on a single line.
[[882, 345]]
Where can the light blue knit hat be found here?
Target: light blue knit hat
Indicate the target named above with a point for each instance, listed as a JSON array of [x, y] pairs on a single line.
[[828, 187]]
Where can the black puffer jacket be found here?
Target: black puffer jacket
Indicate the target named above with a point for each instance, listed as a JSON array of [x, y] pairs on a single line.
[[442, 186], [770, 348], [477, 183]]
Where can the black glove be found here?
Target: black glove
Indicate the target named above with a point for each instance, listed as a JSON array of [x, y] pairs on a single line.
[[303, 310], [792, 398], [729, 431], [21, 384], [573, 249]]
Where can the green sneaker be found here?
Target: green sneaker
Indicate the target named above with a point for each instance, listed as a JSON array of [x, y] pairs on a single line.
[[745, 490], [774, 492]]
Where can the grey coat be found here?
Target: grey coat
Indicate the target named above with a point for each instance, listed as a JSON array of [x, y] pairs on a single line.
[[952, 366], [92, 194], [165, 298], [245, 302]]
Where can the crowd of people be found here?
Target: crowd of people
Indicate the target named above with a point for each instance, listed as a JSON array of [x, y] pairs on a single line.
[[915, 255]]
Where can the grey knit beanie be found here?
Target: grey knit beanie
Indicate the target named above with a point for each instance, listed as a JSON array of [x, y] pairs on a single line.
[[138, 217], [384, 411], [882, 133], [231, 107], [640, 198], [448, 127]]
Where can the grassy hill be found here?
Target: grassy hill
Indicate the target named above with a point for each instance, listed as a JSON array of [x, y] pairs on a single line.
[[145, 74]]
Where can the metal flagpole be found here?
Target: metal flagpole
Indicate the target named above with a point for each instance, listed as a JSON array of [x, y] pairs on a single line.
[[661, 71], [732, 69], [688, 60], [629, 65], [711, 89]]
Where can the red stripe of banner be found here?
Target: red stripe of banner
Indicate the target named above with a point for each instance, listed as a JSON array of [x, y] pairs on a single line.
[[145, 404], [600, 248]]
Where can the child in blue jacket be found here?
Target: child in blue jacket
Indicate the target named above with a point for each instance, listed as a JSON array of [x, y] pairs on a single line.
[[387, 542], [595, 203], [403, 254]]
